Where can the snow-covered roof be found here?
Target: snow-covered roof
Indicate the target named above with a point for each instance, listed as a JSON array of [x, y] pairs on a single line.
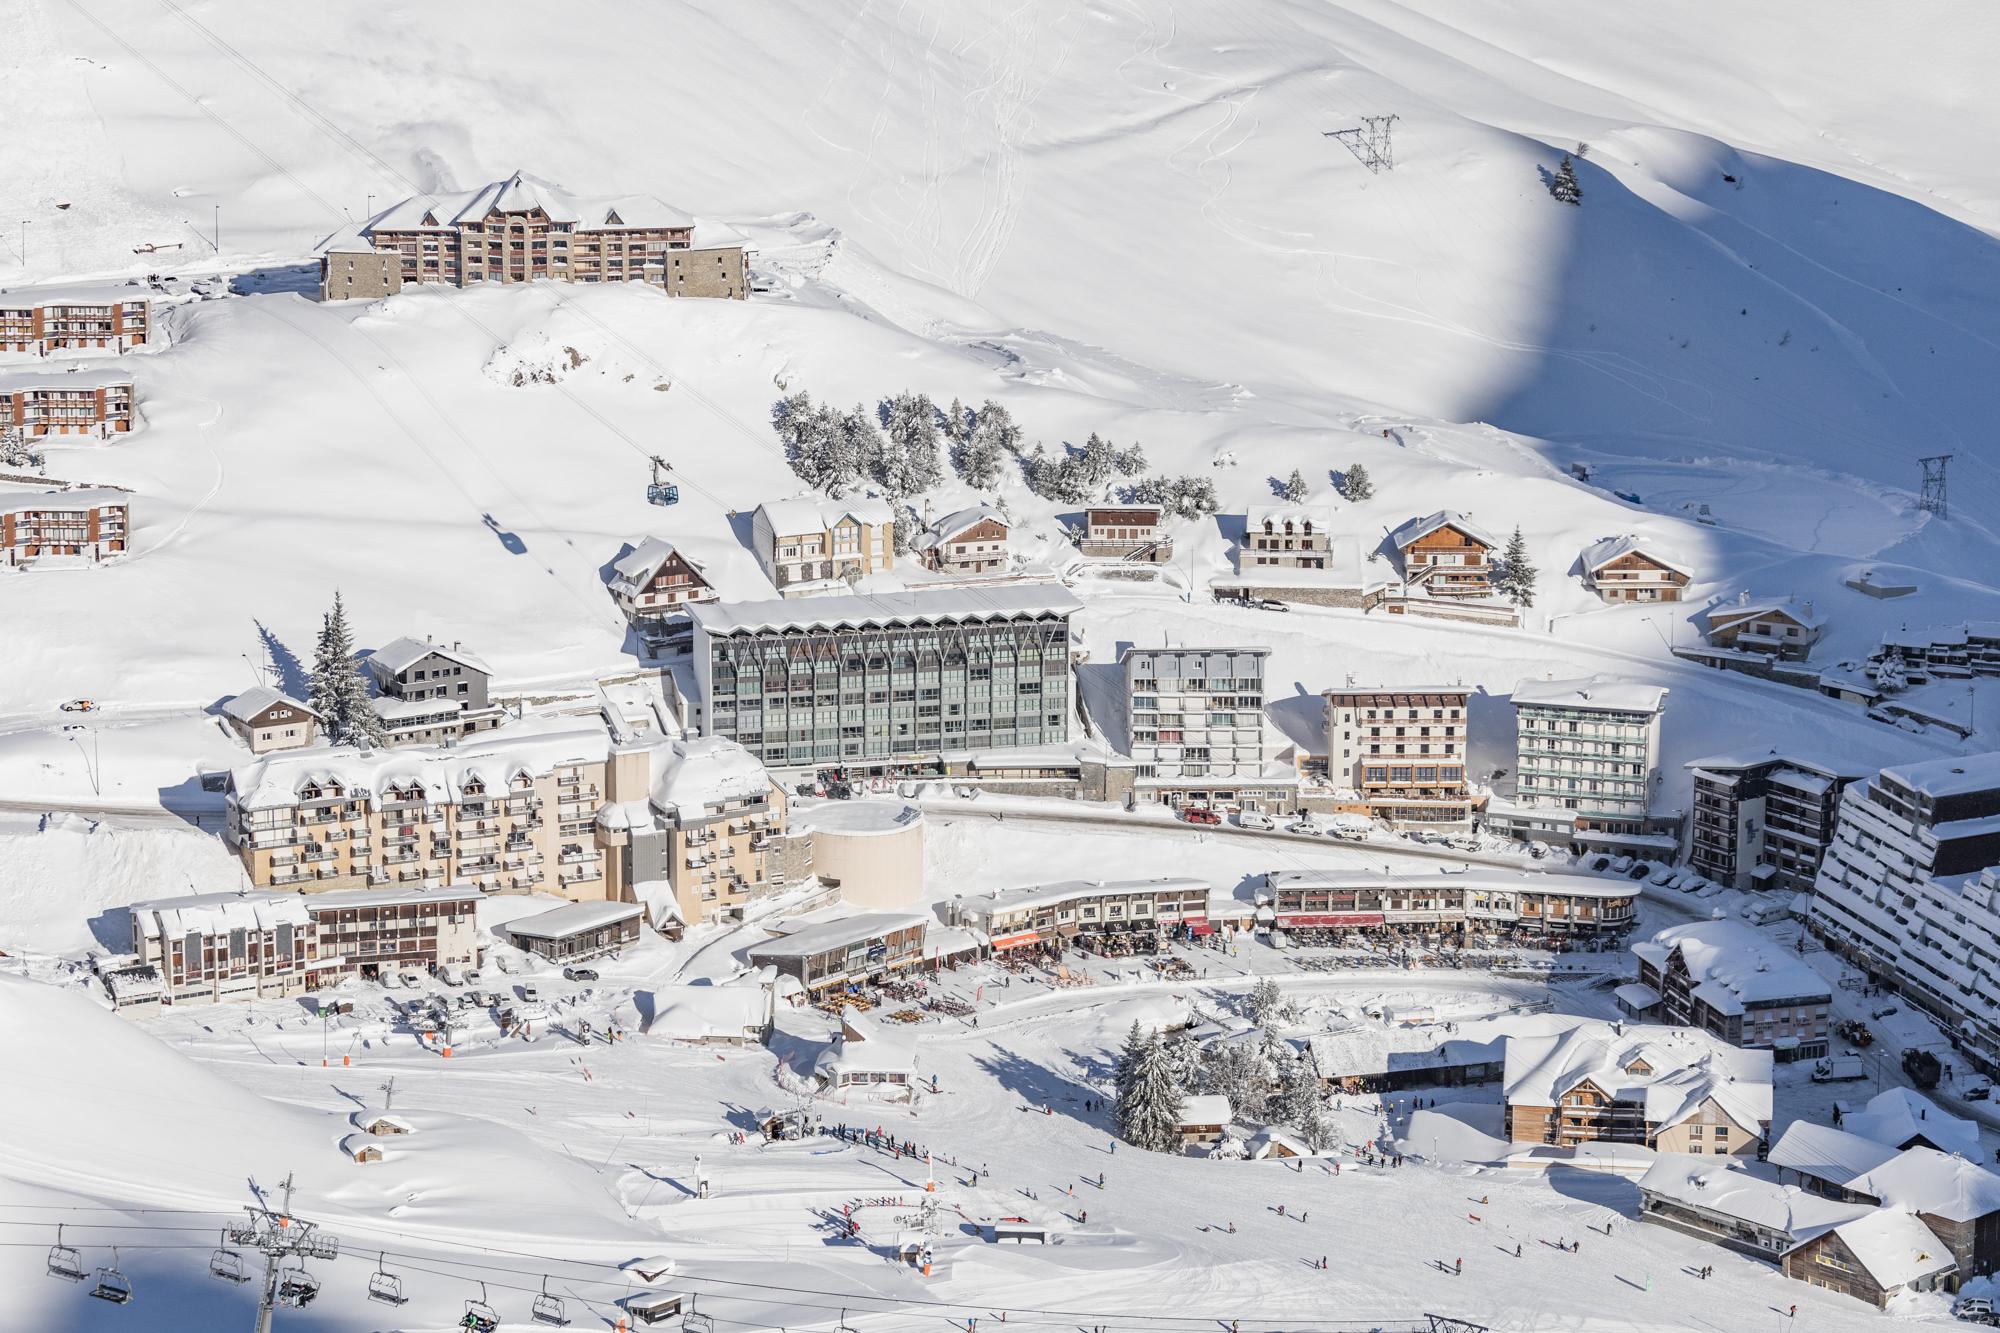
[[80, 293], [692, 773], [957, 521], [1731, 965], [699, 1013], [1071, 890], [399, 655], [356, 1144], [1941, 1184], [1613, 696], [1722, 1185], [65, 502], [1261, 1144], [824, 935], [1636, 995], [1953, 776], [1256, 516], [573, 919], [493, 758], [856, 818], [1895, 1247], [1803, 614], [631, 572], [521, 193], [1473, 879], [1826, 1153], [366, 1120], [218, 913], [84, 377], [1684, 1067], [1602, 552], [1367, 1050], [900, 608], [865, 1046], [1896, 1116], [391, 896], [818, 513], [1209, 1108], [1419, 528], [252, 703]]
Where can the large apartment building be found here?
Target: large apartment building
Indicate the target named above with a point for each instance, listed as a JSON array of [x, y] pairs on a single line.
[[1449, 904], [1402, 751], [81, 402], [1120, 915], [1586, 763], [92, 525], [697, 821], [887, 683], [1196, 728], [1910, 891], [57, 319], [524, 229], [239, 946], [1763, 821], [814, 545]]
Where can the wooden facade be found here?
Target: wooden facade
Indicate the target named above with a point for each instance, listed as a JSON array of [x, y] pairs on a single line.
[[112, 323], [1127, 532], [88, 525], [67, 405], [1637, 577], [1449, 561]]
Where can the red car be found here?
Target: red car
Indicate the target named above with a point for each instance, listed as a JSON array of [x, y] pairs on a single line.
[[1200, 814]]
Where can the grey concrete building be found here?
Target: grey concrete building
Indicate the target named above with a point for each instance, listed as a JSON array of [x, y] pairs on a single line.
[[429, 694], [886, 683]]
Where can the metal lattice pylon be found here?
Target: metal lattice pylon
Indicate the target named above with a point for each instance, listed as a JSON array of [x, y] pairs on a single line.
[[1933, 499], [1370, 142]]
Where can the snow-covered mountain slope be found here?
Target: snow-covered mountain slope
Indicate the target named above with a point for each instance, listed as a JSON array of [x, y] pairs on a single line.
[[1779, 291]]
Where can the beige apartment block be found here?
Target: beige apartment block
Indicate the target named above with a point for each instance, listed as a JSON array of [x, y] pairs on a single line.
[[815, 545]]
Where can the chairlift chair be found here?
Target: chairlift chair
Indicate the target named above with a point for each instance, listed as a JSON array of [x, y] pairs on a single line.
[[696, 1322], [297, 1288], [64, 1261], [479, 1317], [112, 1285], [662, 491], [548, 1309], [385, 1286], [227, 1264]]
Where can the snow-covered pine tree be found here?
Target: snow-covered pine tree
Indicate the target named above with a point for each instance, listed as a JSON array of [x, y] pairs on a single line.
[[957, 423], [1126, 1067], [1517, 571], [978, 456], [1295, 488], [1564, 187], [861, 450], [1097, 461], [1355, 483], [338, 693], [1265, 1001], [1314, 1126], [910, 463], [997, 423], [1149, 1111], [1131, 460], [1298, 1090]]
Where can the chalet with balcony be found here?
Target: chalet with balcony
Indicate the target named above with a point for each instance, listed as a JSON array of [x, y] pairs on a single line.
[[813, 545], [1445, 555], [429, 694], [966, 541], [1668, 1089], [654, 580], [1774, 627], [1626, 569], [1127, 532], [1285, 537]]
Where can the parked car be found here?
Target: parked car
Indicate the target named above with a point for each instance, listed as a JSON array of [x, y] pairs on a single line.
[[530, 992], [473, 976], [412, 977], [1883, 1012], [389, 980], [1256, 819], [1976, 1309], [1200, 814], [80, 706], [579, 974], [1598, 862], [1270, 604], [1979, 1092], [1640, 871], [451, 974]]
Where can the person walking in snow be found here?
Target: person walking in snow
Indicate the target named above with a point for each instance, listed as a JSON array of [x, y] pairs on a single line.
[[1517, 1249], [1458, 1268]]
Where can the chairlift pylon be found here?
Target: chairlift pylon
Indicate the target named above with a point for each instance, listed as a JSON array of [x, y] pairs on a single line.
[[548, 1309], [662, 490], [112, 1285], [227, 1263], [64, 1261], [479, 1317], [843, 1326], [385, 1286]]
